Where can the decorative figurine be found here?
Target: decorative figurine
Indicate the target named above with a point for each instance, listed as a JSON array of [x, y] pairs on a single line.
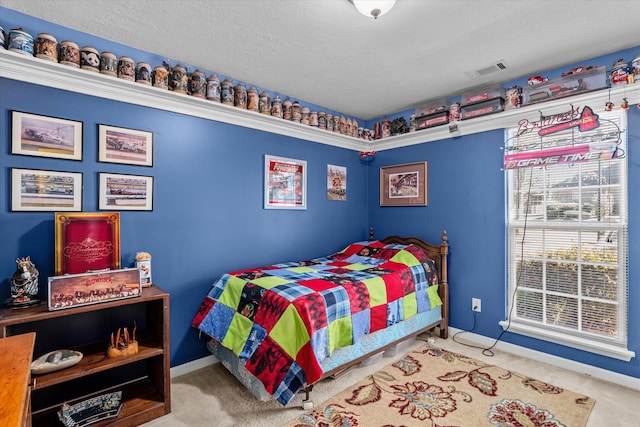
[[286, 109], [24, 284], [143, 264], [123, 344], [512, 98]]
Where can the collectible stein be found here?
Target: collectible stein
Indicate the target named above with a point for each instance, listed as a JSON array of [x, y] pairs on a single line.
[[108, 64], [46, 47], [240, 96], [619, 73], [512, 98], [286, 109], [313, 118], [178, 79], [276, 107], [160, 77], [69, 54], [198, 84], [329, 123], [264, 103], [296, 113], [635, 69], [24, 283], [354, 128], [90, 59], [213, 88], [20, 41], [322, 120], [412, 123], [252, 99], [143, 73], [386, 128], [2, 38], [454, 112], [305, 116], [143, 264], [341, 125], [126, 69], [226, 92]]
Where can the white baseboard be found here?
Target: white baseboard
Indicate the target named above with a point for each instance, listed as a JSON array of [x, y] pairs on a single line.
[[194, 365], [581, 368]]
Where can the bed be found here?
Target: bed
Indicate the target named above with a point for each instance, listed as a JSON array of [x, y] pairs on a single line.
[[281, 328]]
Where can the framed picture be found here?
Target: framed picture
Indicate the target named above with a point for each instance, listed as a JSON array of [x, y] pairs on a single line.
[[336, 182], [34, 135], [125, 192], [86, 241], [128, 146], [404, 185], [285, 183], [41, 190]]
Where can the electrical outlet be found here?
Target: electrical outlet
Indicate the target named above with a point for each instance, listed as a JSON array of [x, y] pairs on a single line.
[[476, 304]]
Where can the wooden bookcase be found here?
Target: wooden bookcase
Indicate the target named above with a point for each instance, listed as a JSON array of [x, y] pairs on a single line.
[[143, 378]]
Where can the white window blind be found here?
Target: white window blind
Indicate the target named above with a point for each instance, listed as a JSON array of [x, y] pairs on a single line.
[[567, 239]]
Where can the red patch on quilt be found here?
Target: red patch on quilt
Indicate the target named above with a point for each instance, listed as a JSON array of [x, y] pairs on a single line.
[[358, 296], [309, 364], [271, 308], [317, 284], [312, 311], [378, 318], [207, 304], [269, 363], [393, 284]]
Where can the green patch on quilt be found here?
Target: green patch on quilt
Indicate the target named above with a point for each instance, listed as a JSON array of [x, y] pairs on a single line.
[[406, 258], [377, 291], [302, 269], [237, 333], [340, 333], [290, 332], [232, 292], [410, 305], [434, 298], [356, 267], [268, 282]]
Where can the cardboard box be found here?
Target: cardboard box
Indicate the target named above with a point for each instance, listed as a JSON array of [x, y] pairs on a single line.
[[74, 290], [482, 94], [431, 120]]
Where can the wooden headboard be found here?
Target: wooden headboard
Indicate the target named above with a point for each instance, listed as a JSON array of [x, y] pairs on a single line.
[[438, 253]]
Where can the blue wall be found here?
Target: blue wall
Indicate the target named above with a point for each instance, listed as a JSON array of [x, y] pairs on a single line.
[[208, 216]]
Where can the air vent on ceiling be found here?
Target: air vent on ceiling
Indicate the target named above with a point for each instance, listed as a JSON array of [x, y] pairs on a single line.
[[495, 67]]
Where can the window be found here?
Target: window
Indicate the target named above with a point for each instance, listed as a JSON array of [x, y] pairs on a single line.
[[567, 234]]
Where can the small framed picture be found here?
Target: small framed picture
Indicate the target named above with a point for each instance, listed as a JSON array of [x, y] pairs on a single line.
[[404, 185], [336, 182], [35, 190], [127, 146], [125, 192], [43, 136], [285, 183]]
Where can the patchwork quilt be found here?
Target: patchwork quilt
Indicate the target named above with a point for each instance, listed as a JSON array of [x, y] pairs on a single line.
[[283, 320]]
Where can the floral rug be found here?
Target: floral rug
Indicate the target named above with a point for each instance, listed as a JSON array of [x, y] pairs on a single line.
[[437, 388]]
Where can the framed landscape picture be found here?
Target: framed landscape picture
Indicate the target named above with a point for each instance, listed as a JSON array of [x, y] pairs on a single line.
[[43, 136], [125, 192], [404, 185], [127, 146], [42, 190], [285, 183]]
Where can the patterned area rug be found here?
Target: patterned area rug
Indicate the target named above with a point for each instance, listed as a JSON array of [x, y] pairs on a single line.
[[436, 388]]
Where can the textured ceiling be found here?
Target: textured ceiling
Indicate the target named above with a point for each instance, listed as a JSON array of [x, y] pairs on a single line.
[[324, 52]]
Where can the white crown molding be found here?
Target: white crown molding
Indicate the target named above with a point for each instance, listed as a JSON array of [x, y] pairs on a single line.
[[29, 69]]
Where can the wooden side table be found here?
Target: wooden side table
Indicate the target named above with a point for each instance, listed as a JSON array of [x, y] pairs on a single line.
[[16, 353]]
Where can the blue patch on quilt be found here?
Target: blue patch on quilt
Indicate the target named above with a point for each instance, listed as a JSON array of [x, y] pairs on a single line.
[[219, 286], [320, 344], [365, 260], [256, 336], [394, 312], [293, 381], [216, 322], [337, 303], [422, 298], [360, 324]]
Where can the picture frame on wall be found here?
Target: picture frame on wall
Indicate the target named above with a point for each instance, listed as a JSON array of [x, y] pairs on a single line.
[[126, 146], [125, 192], [44, 136], [285, 183], [35, 190], [404, 185]]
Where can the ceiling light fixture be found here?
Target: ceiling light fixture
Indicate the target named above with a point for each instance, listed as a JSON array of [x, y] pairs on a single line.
[[373, 8]]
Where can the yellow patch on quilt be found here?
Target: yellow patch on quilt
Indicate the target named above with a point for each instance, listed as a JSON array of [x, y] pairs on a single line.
[[237, 333], [406, 258], [356, 267], [269, 282], [301, 269], [340, 333], [290, 332], [377, 291], [233, 290], [410, 305]]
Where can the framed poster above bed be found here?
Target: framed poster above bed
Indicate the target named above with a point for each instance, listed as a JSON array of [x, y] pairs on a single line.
[[404, 185], [285, 183]]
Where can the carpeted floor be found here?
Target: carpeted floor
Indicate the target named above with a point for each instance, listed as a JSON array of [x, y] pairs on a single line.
[[213, 397]]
